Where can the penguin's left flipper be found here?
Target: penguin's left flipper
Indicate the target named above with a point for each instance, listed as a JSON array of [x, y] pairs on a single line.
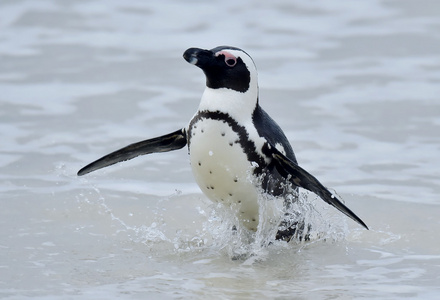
[[304, 179], [168, 142]]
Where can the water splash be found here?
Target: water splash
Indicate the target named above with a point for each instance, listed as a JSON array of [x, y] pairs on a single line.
[[214, 227], [314, 224]]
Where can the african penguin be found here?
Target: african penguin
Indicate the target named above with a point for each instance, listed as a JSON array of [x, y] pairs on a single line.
[[236, 149]]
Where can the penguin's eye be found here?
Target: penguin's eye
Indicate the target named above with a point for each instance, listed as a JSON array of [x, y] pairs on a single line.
[[230, 61]]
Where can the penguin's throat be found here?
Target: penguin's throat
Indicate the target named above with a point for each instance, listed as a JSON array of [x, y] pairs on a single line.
[[240, 106]]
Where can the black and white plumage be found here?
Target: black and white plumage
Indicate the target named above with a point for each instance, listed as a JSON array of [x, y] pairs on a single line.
[[236, 149]]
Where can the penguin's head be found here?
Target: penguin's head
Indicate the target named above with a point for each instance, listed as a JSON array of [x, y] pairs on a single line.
[[224, 67]]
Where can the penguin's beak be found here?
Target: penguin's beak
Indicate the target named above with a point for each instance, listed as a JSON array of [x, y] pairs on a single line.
[[198, 57]]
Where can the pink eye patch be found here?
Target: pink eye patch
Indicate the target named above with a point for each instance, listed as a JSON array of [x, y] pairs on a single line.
[[230, 59]]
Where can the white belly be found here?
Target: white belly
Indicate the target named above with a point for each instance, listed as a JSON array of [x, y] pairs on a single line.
[[222, 170]]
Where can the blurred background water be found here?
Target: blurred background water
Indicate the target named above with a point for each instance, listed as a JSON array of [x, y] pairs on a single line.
[[354, 84]]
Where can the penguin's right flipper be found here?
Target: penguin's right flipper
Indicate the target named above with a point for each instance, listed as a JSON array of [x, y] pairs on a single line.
[[165, 143], [300, 177]]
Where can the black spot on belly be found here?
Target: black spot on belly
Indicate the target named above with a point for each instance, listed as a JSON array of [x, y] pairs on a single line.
[[212, 187], [231, 143], [223, 134], [235, 179], [230, 194], [200, 163], [210, 172], [202, 131]]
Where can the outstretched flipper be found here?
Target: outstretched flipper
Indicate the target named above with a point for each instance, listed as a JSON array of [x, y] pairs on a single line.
[[304, 179], [168, 142]]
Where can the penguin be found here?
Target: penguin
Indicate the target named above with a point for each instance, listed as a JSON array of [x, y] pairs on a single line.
[[236, 150]]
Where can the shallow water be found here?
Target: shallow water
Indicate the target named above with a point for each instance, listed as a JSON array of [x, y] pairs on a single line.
[[354, 85]]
